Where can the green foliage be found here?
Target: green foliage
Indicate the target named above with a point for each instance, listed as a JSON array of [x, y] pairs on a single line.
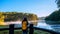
[[14, 16], [55, 16], [58, 3], [20, 32]]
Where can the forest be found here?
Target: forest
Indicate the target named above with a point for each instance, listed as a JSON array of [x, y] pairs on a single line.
[[15, 16]]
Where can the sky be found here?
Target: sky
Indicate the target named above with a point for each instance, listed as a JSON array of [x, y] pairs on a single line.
[[41, 8]]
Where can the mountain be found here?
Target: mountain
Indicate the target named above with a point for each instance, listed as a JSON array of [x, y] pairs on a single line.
[[41, 18]]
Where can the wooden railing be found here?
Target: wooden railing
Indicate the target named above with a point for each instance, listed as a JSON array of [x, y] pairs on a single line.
[[11, 29], [31, 29], [25, 24]]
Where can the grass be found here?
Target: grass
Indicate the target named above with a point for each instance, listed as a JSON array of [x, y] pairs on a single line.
[[40, 32], [4, 26], [20, 32]]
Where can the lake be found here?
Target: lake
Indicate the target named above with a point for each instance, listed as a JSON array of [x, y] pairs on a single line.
[[43, 24], [50, 25]]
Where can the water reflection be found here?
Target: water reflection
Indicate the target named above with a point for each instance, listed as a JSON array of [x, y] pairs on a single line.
[[54, 24], [39, 24], [42, 24]]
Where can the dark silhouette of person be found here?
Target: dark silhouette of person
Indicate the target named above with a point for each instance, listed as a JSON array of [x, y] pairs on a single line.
[[25, 26]]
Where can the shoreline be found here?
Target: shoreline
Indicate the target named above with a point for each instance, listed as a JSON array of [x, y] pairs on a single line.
[[18, 22]]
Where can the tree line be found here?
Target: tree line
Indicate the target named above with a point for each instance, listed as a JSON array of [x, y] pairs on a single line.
[[55, 16], [14, 16]]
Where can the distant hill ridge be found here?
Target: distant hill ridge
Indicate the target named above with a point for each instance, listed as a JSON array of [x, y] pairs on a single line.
[[13, 16]]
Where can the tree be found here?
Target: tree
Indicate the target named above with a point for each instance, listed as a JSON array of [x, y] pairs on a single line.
[[55, 16], [58, 3], [1, 19], [14, 16]]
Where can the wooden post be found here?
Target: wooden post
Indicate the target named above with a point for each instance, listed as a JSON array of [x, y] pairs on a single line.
[[31, 30], [11, 29]]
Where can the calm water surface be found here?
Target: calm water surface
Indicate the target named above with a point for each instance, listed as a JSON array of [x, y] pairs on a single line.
[[45, 25]]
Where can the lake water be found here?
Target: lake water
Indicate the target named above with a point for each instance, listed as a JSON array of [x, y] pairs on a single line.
[[50, 25], [43, 24]]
